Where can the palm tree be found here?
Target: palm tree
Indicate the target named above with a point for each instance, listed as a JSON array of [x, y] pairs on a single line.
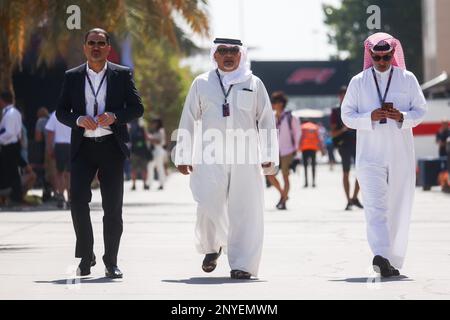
[[143, 20]]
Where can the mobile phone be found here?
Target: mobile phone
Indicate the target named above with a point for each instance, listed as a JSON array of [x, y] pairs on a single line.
[[387, 106]]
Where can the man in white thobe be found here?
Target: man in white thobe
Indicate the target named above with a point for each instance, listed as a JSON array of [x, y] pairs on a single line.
[[227, 101], [383, 103]]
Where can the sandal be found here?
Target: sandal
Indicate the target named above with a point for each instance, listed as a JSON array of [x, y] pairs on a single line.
[[210, 261], [239, 274]]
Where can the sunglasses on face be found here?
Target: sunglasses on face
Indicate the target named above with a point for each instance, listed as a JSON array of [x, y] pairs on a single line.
[[231, 50], [100, 44], [385, 58]]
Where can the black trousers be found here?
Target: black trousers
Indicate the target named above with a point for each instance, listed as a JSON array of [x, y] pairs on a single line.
[[9, 170], [107, 159], [308, 155]]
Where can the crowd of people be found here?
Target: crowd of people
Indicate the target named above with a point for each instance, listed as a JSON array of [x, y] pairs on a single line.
[[301, 139], [43, 162], [148, 154]]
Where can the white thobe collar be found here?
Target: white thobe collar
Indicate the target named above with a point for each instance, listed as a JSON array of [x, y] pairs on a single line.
[[384, 73], [223, 73]]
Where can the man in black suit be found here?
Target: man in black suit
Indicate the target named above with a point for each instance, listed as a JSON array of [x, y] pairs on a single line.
[[97, 101]]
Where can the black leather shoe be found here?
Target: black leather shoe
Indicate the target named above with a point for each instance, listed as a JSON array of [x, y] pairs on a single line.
[[113, 272], [84, 268], [210, 261], [383, 266], [239, 274]]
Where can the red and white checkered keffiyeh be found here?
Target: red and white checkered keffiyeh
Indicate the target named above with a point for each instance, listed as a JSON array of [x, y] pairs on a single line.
[[398, 58]]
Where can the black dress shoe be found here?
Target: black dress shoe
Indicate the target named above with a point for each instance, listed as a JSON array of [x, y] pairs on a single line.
[[113, 272], [239, 274], [383, 266], [84, 268], [210, 261]]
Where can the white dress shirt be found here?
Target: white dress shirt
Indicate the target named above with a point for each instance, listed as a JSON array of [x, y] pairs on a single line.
[[61, 131], [10, 126], [96, 78]]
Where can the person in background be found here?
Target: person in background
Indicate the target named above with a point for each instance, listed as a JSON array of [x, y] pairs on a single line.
[[345, 140], [140, 154], [310, 143], [330, 150], [441, 138], [46, 173], [58, 138], [157, 138], [27, 177], [23, 138], [289, 137], [10, 154]]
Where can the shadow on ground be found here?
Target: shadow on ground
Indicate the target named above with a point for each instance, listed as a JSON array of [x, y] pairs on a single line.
[[13, 247], [374, 279], [95, 206], [74, 281], [212, 280]]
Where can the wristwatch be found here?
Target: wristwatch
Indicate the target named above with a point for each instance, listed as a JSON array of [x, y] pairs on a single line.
[[402, 118]]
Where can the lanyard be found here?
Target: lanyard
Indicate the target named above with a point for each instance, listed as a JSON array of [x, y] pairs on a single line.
[[383, 99], [225, 106], [95, 93]]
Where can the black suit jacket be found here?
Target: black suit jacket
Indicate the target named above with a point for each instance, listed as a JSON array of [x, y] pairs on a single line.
[[122, 99]]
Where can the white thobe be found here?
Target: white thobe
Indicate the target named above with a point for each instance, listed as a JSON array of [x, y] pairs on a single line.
[[385, 161], [230, 197]]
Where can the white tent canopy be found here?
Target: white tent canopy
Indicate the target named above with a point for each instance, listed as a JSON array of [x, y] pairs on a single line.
[[308, 113]]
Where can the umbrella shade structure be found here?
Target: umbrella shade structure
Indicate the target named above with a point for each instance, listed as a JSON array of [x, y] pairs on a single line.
[[308, 113]]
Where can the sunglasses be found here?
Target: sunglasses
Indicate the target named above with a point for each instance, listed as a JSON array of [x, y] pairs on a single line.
[[231, 50], [100, 44], [385, 58]]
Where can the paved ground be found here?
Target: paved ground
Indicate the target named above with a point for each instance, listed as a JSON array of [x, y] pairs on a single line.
[[315, 250]]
